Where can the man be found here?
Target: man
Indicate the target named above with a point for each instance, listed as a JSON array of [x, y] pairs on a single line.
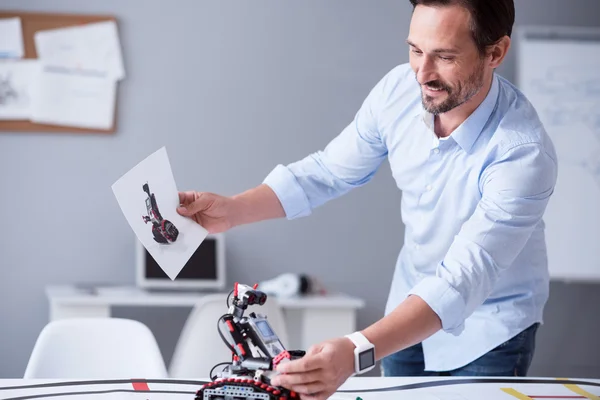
[[476, 170]]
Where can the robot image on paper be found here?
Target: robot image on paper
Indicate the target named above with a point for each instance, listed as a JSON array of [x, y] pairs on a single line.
[[163, 230], [256, 352]]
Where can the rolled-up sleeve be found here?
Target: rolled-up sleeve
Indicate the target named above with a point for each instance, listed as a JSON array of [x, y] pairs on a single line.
[[350, 160], [515, 190]]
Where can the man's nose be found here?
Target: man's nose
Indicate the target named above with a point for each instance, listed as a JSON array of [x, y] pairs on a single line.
[[426, 71]]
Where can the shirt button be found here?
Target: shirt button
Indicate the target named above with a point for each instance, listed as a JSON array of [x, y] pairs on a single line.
[[436, 150], [428, 187], [417, 247]]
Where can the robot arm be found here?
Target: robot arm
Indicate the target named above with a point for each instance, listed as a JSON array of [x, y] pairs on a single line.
[[239, 332], [233, 337]]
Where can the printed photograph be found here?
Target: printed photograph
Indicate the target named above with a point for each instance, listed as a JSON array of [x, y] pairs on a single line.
[[148, 197]]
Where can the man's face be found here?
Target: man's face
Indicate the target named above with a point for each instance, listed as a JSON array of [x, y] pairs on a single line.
[[444, 57]]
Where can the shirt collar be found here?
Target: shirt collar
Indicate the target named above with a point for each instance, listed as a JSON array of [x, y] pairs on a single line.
[[467, 132]]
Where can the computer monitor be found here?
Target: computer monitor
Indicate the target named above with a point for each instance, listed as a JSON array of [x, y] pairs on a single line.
[[204, 270]]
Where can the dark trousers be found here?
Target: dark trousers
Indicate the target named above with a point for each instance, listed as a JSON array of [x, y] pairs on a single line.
[[511, 358]]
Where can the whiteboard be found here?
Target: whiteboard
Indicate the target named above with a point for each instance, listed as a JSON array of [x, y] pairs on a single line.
[[558, 69]]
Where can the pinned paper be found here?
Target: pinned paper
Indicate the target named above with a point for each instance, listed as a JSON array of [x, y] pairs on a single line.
[[70, 99], [92, 48], [11, 38], [148, 197], [17, 87]]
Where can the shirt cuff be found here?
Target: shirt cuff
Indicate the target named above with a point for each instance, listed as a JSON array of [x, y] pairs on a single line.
[[289, 192], [444, 300]]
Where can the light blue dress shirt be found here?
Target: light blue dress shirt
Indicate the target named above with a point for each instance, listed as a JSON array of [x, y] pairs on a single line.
[[472, 206]]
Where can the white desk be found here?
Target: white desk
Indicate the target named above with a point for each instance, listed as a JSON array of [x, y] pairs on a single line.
[[309, 319], [433, 388]]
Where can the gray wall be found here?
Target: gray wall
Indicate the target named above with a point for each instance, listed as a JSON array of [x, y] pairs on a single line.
[[231, 89]]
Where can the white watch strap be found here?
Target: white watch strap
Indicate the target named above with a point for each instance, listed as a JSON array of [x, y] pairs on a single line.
[[358, 339]]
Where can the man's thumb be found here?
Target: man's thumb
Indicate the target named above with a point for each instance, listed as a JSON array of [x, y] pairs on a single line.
[[182, 210], [200, 204]]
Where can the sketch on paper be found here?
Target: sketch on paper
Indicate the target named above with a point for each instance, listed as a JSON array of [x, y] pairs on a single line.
[[163, 230], [16, 83], [93, 47], [74, 99], [8, 93]]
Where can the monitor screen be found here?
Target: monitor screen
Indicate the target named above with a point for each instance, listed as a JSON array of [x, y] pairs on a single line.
[[202, 264], [204, 269]]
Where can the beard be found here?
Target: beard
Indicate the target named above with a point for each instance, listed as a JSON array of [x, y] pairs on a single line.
[[458, 95]]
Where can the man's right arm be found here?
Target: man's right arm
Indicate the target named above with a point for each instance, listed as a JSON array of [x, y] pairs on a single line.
[[218, 213], [257, 204], [350, 160]]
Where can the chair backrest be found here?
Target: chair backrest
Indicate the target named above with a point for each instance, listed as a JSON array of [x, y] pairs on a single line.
[[96, 348], [200, 347]]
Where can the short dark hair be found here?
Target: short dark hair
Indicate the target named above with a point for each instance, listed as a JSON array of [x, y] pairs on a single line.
[[491, 20]]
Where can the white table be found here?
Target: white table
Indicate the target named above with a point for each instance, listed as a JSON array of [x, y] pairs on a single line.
[[309, 319], [431, 388]]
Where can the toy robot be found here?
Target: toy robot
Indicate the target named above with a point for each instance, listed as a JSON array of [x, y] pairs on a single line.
[[163, 230], [256, 352]]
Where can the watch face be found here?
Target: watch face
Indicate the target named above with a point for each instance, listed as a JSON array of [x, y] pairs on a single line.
[[366, 359]]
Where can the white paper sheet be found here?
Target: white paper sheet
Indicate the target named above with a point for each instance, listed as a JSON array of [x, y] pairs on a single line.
[[150, 223], [11, 38], [77, 100], [17, 80], [91, 47]]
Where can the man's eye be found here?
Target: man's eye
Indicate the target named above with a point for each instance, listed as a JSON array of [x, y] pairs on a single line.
[[446, 58], [416, 51]]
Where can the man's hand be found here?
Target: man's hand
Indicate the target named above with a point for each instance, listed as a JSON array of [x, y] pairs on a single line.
[[219, 213], [322, 370], [215, 213]]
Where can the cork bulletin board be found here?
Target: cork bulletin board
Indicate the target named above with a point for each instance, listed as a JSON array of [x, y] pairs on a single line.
[[31, 23]]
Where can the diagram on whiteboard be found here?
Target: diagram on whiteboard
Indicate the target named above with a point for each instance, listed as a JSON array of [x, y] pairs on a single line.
[[572, 105], [558, 73]]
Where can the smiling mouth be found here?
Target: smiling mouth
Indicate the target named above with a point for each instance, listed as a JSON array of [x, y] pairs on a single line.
[[434, 89]]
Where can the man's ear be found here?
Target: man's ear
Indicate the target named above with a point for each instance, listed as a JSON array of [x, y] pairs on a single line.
[[498, 51]]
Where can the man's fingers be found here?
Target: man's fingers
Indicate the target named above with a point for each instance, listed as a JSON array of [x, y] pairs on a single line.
[[314, 349], [288, 380], [308, 389], [304, 364], [307, 383], [193, 202], [315, 396], [186, 197]]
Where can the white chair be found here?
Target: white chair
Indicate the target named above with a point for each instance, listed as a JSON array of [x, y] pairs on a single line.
[[200, 347], [96, 348]]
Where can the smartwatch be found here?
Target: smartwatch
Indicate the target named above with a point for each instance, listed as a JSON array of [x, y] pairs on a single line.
[[364, 353]]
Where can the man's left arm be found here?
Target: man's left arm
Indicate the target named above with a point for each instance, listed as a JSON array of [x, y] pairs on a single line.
[[515, 191]]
